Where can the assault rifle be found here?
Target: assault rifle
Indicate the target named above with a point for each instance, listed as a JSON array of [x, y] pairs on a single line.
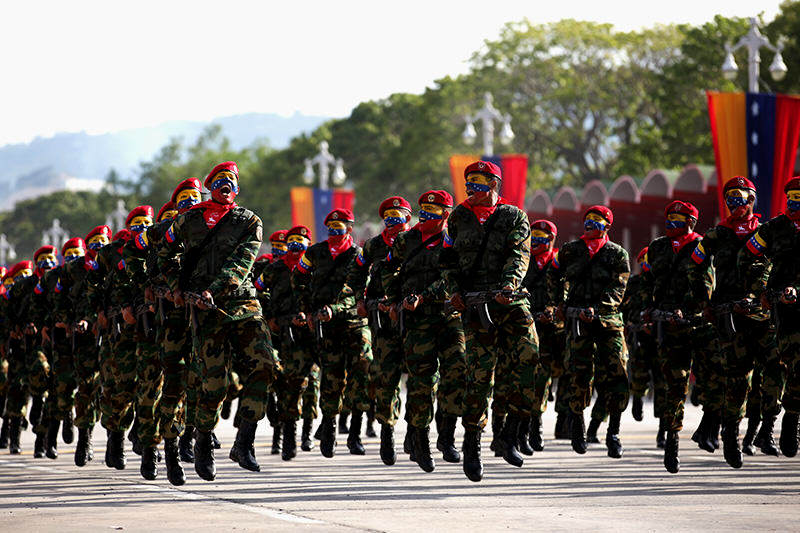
[[194, 299], [142, 310], [543, 315], [161, 293], [374, 313], [724, 314], [661, 317], [113, 316], [479, 301], [573, 315], [286, 323], [775, 297], [319, 334], [632, 337]]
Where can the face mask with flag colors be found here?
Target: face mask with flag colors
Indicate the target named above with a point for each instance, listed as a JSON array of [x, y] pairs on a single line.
[[430, 212], [140, 223], [336, 228], [297, 243], [46, 261], [393, 217], [793, 200], [477, 182], [97, 242], [71, 254], [594, 222], [187, 198]]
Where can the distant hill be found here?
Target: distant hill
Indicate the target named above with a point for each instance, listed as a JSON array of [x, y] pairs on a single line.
[[91, 156]]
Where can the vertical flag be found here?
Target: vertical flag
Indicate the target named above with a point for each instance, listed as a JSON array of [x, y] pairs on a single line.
[[728, 130], [515, 176], [310, 206], [458, 163], [787, 135], [760, 112]]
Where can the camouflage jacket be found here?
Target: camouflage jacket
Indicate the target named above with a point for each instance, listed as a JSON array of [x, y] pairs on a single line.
[[413, 268], [276, 280], [581, 280], [141, 262], [224, 264], [369, 265], [676, 281], [769, 259], [633, 302], [104, 277], [323, 282], [77, 306], [535, 282], [503, 262]]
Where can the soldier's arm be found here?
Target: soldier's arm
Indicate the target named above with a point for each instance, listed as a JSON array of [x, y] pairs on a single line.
[[518, 243], [301, 281], [611, 295], [170, 251], [448, 260], [238, 265], [752, 261], [555, 279], [390, 270], [358, 276], [263, 286]]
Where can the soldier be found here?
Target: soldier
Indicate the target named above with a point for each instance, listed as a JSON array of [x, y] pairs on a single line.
[[675, 296], [744, 328], [489, 250], [645, 365], [387, 364], [552, 336], [294, 341], [87, 365], [433, 338], [343, 337], [777, 240], [207, 261], [3, 362], [596, 271]]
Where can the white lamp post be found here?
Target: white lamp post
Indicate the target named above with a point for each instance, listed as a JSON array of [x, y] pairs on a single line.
[[487, 116], [754, 41], [324, 161]]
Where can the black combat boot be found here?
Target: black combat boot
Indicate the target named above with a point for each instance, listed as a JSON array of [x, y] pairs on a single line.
[[4, 434], [116, 450], [172, 461], [14, 431], [661, 437], [446, 441], [408, 443], [788, 440], [245, 447], [714, 426], [226, 409], [133, 436], [318, 433], [562, 427], [215, 441], [37, 409], [52, 439], [701, 435], [185, 446], [327, 442], [764, 439], [637, 408], [343, 429], [354, 437], [524, 444], [388, 454], [148, 468], [233, 455], [510, 441], [67, 430], [108, 462], [671, 461], [730, 443], [370, 431], [613, 443], [306, 444], [578, 433], [591, 432], [438, 416], [694, 397], [750, 434], [204, 456], [422, 449], [39, 445], [536, 438], [497, 434], [276, 439], [473, 468], [289, 448], [83, 451]]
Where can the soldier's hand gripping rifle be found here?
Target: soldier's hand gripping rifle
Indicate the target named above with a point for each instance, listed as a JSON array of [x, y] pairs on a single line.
[[316, 321], [194, 300], [286, 323], [374, 314], [161, 293], [574, 316], [142, 311], [114, 316], [787, 296], [661, 317], [479, 301], [724, 314]]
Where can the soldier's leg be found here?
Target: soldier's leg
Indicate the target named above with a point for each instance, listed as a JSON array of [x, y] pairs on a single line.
[[123, 354], [581, 373], [789, 349], [87, 371], [174, 351], [17, 395], [310, 402], [358, 346], [39, 381], [65, 385], [481, 358], [770, 388], [422, 362], [296, 362], [676, 355], [451, 346], [612, 355], [386, 370], [150, 379]]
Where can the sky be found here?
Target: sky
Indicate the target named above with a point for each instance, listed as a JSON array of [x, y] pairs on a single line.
[[108, 66]]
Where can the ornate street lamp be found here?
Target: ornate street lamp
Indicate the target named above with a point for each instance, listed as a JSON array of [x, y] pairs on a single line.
[[324, 161], [487, 116], [754, 41]]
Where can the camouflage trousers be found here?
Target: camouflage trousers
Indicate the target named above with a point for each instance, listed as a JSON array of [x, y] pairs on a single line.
[[38, 372], [3, 381], [753, 341], [645, 366], [789, 350], [63, 375], [123, 367], [311, 394], [175, 353], [297, 360], [435, 357], [87, 373], [385, 372], [552, 340], [599, 356], [708, 368], [243, 346], [107, 386], [16, 392], [346, 356], [509, 351], [149, 380]]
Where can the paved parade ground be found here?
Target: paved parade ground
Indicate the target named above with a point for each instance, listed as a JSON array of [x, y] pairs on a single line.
[[556, 490]]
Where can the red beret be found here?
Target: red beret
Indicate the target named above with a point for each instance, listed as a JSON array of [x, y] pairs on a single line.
[[99, 230], [19, 267], [344, 215], [278, 236], [545, 225], [300, 230], [739, 182], [395, 202], [141, 211], [484, 167], [442, 198], [46, 249], [227, 165], [264, 257], [641, 254], [75, 242], [682, 208], [792, 185], [169, 206], [601, 210], [124, 234], [188, 183]]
